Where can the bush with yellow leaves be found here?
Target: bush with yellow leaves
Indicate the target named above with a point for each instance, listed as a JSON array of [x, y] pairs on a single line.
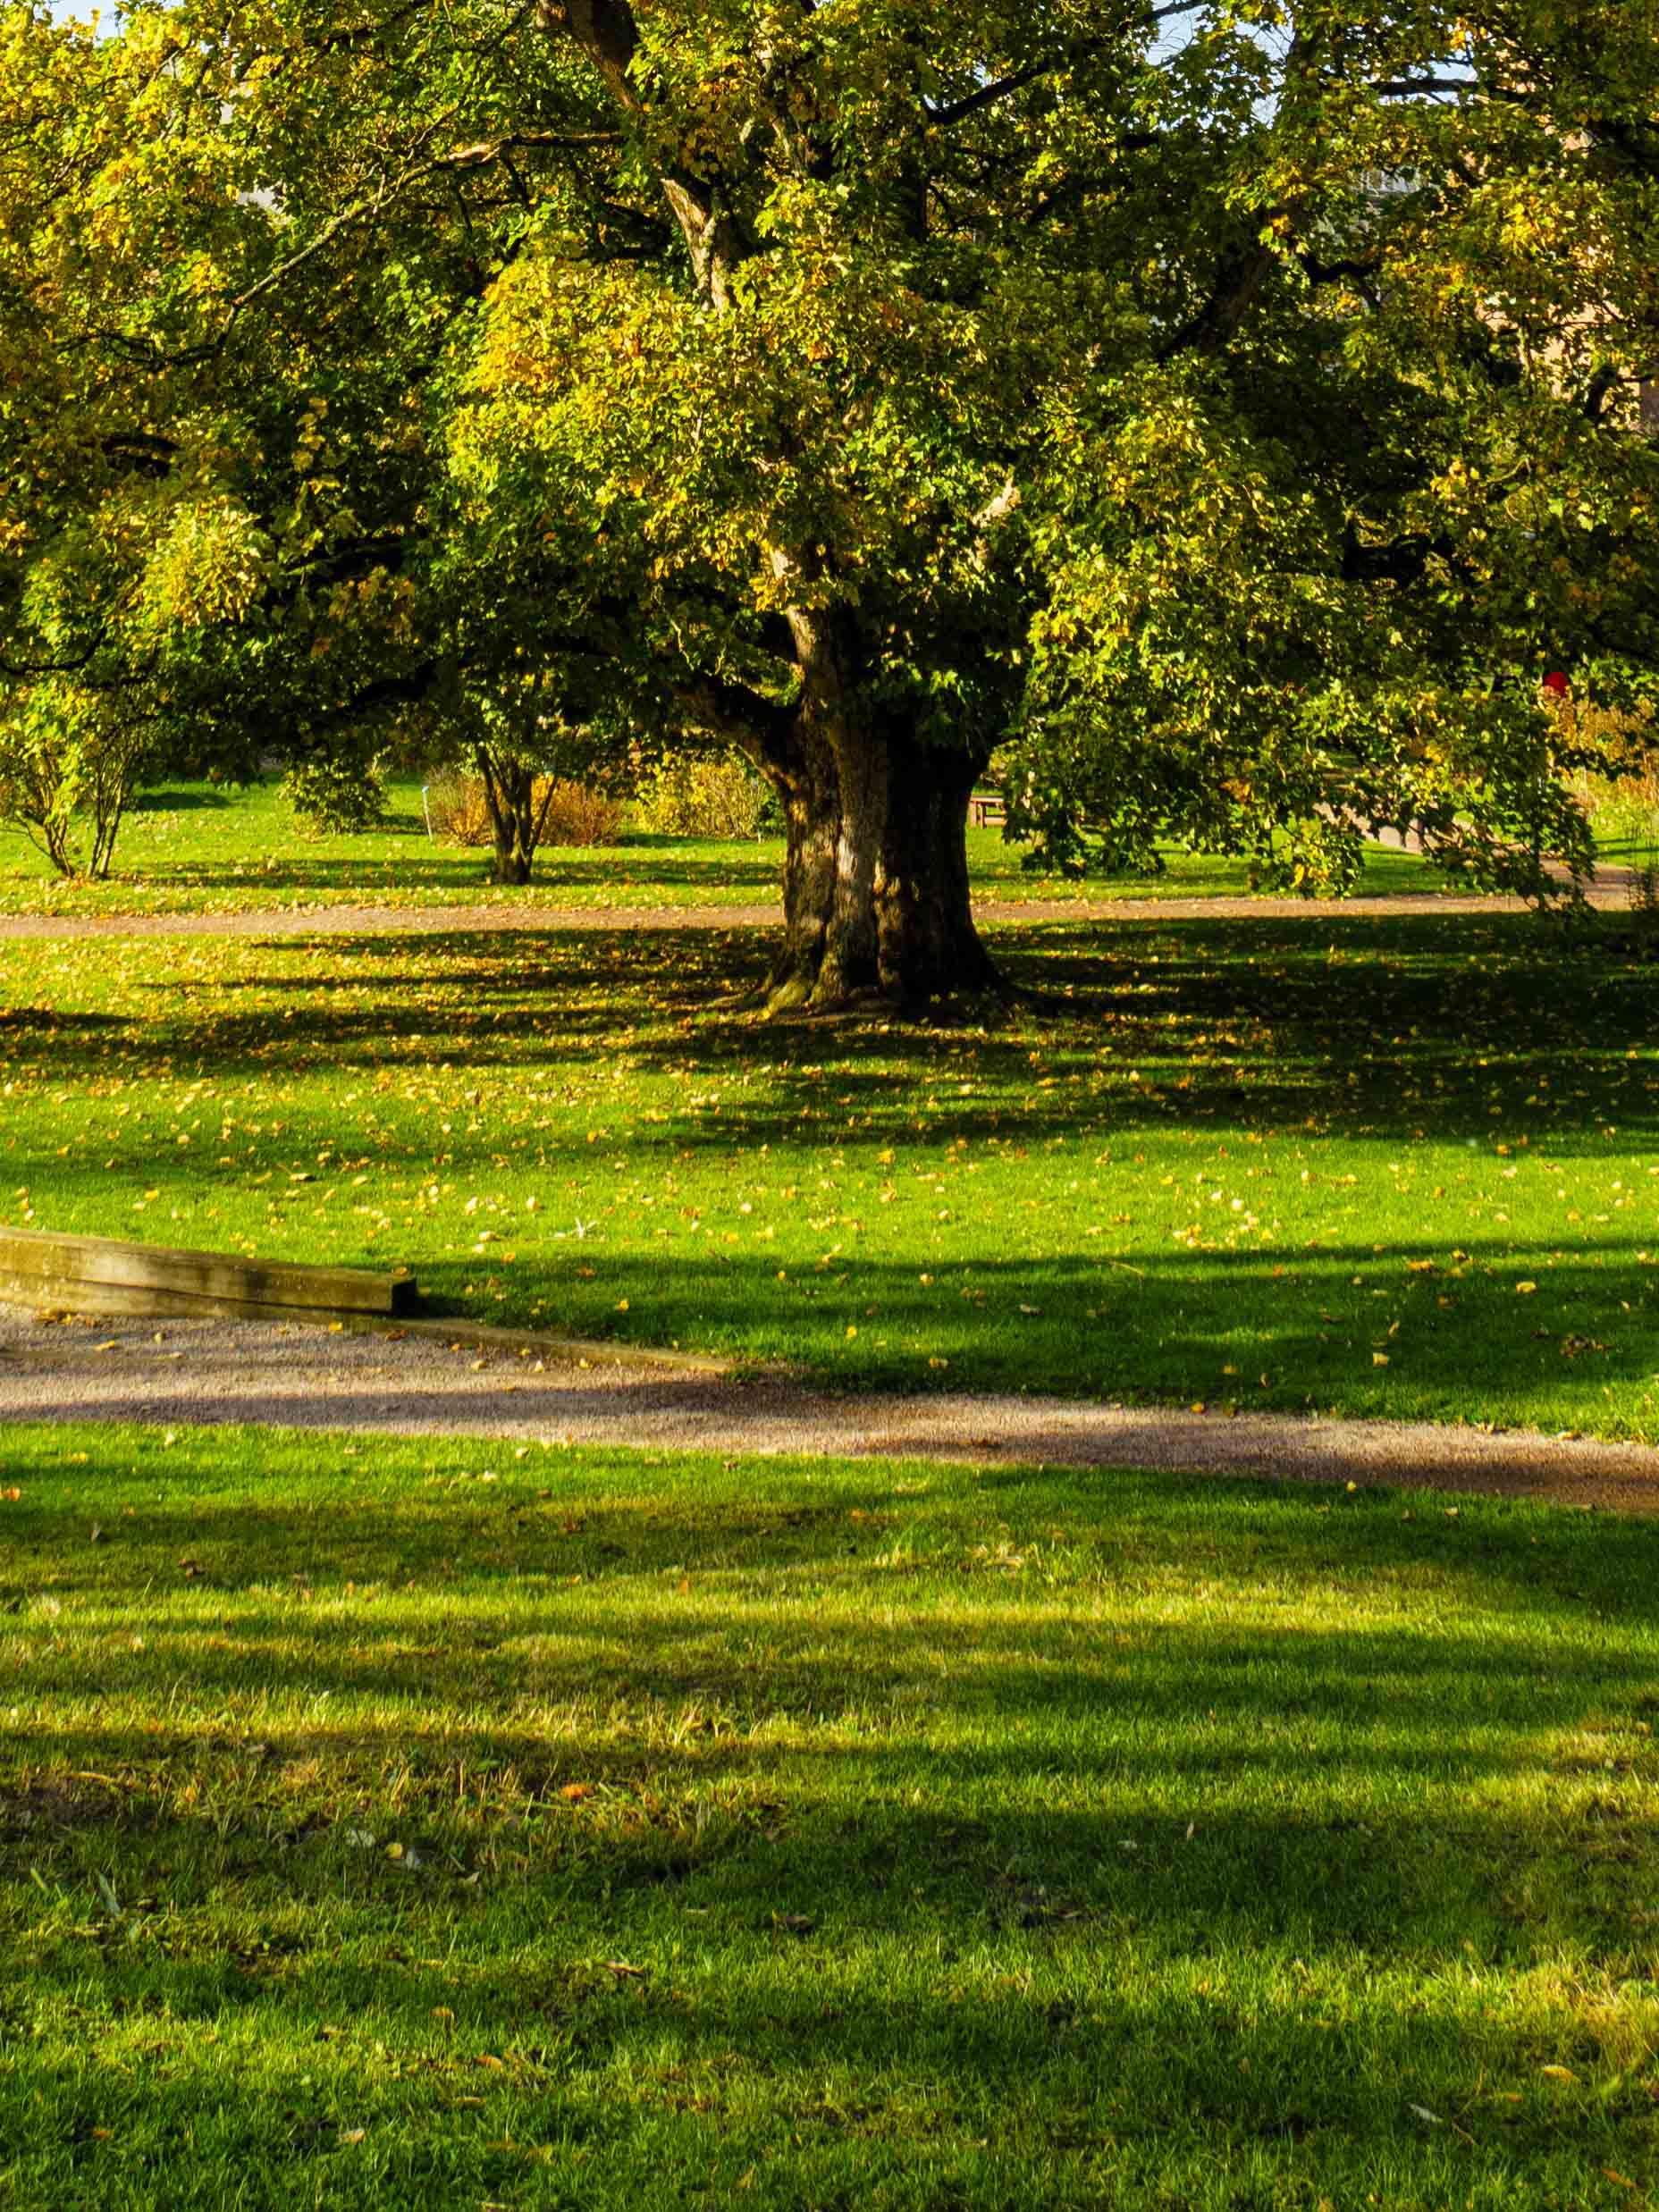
[[705, 795], [570, 813]]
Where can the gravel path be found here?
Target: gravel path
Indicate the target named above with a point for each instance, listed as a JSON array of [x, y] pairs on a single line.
[[1611, 892], [426, 1383]]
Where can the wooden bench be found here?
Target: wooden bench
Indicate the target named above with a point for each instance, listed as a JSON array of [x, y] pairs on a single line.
[[987, 810]]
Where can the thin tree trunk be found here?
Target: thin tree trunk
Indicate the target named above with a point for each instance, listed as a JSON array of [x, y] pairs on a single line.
[[508, 795]]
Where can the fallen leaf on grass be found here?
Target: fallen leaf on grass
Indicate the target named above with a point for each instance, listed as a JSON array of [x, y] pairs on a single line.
[[1559, 2074]]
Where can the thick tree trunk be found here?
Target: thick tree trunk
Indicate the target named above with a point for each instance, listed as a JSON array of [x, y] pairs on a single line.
[[876, 877], [812, 813], [927, 945], [876, 895]]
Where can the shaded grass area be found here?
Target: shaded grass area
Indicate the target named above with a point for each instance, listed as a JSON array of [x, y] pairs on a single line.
[[457, 1825], [194, 848], [1401, 1168]]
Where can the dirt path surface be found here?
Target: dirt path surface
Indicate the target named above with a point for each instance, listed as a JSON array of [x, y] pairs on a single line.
[[292, 1375], [1610, 892]]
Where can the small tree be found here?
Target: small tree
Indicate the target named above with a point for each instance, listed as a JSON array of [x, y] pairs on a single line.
[[513, 748], [337, 794], [70, 761]]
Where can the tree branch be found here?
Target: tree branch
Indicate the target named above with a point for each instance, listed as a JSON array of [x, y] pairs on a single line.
[[1210, 329]]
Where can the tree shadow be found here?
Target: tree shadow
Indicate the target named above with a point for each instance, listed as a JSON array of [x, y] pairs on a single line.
[[181, 799], [1384, 1026], [1001, 1843], [1260, 1035]]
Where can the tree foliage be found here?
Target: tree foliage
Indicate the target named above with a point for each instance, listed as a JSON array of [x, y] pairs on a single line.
[[1232, 407]]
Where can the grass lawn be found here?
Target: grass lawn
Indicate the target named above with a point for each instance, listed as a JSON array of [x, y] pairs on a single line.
[[1404, 1166], [191, 848], [455, 1826]]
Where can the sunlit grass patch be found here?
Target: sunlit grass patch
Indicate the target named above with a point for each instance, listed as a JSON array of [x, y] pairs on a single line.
[[453, 1822], [1401, 1168]]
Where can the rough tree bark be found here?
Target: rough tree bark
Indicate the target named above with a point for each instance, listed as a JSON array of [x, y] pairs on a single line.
[[875, 891]]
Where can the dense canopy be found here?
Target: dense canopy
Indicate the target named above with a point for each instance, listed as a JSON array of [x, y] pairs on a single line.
[[1234, 412]]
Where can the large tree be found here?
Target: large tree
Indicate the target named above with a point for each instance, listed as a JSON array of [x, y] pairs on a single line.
[[1233, 407]]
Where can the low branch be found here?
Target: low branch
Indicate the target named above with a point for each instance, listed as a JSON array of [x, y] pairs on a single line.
[[1213, 326], [143, 451], [1409, 88], [729, 710]]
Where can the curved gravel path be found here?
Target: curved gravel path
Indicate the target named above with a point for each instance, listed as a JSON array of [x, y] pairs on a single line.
[[1610, 892], [425, 1382]]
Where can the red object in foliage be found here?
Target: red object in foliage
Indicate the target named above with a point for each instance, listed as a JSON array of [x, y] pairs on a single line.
[[1556, 684]]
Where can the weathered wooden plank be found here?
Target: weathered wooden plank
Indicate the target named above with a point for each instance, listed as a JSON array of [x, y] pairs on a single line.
[[46, 1267], [115, 1299]]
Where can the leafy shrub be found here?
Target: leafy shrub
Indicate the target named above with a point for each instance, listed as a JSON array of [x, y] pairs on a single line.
[[1621, 797], [336, 797], [575, 815], [456, 810], [706, 795], [69, 759]]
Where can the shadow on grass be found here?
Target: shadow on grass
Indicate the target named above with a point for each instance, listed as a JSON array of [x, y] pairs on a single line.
[[1168, 1325], [183, 799], [1392, 1026], [54, 1021], [751, 1827]]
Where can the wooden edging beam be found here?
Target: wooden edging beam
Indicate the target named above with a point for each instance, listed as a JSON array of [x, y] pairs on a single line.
[[42, 1268]]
